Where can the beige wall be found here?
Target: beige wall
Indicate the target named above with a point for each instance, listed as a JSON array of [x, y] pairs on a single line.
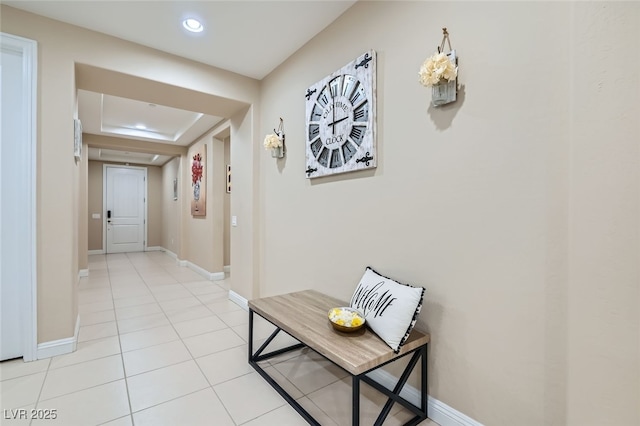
[[203, 235], [516, 207], [94, 202], [227, 208], [154, 204], [67, 54], [171, 217], [83, 215], [245, 164], [603, 346]]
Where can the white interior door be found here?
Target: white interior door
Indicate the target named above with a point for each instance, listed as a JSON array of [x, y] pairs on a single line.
[[125, 213], [17, 198]]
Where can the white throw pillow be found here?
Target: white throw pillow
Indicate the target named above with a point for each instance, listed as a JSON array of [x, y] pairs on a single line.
[[390, 308]]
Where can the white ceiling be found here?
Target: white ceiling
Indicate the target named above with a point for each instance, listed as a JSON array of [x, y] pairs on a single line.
[[108, 115], [247, 37]]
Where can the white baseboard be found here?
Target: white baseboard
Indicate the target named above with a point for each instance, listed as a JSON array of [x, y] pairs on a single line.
[[60, 346], [217, 276], [83, 273], [227, 269], [170, 253], [154, 248], [239, 300], [211, 276], [90, 252], [438, 411], [444, 415]]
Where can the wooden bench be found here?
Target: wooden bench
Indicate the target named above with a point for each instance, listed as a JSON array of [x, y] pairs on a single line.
[[303, 315]]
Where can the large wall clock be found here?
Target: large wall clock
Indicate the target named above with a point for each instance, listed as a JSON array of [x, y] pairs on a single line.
[[340, 119]]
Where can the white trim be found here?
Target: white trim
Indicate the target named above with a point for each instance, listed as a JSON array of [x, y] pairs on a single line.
[[217, 276], [91, 252], [83, 273], [29, 304], [170, 253], [239, 300], [444, 415], [227, 269], [154, 248], [60, 346], [438, 411], [211, 276]]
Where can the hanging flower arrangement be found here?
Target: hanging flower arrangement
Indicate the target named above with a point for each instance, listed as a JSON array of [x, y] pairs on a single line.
[[272, 141], [436, 69]]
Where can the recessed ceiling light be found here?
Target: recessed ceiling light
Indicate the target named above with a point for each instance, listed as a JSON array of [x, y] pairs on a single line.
[[192, 25], [141, 127]]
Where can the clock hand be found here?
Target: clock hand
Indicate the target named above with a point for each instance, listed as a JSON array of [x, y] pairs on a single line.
[[333, 112], [337, 121]]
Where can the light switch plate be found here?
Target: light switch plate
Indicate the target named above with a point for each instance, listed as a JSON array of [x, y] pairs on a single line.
[[234, 220], [95, 216]]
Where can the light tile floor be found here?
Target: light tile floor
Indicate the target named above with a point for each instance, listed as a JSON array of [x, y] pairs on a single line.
[[158, 345]]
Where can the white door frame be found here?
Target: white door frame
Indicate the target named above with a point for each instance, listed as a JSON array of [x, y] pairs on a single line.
[[29, 300], [104, 202]]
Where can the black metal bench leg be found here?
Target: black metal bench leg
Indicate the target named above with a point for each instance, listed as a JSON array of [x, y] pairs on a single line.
[[250, 342], [355, 401], [424, 395]]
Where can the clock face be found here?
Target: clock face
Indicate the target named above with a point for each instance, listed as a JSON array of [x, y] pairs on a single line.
[[340, 118]]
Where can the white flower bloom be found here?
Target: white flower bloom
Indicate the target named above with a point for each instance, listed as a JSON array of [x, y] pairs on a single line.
[[272, 141], [437, 68]]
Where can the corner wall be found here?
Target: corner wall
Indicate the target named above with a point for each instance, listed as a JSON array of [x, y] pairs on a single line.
[[170, 207]]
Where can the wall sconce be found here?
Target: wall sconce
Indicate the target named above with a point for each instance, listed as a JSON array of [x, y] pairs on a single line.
[[275, 141], [440, 72]]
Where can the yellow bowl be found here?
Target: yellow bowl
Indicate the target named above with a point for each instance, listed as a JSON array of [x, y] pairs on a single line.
[[346, 319]]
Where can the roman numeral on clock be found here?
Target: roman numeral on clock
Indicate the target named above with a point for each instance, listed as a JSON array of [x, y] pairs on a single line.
[[316, 146], [348, 151], [356, 135], [336, 160], [323, 159], [354, 98], [316, 113], [362, 112], [314, 131]]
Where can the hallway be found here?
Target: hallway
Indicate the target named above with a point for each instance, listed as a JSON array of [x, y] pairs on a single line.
[[160, 346]]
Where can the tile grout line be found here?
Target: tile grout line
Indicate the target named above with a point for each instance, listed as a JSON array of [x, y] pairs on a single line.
[[188, 351], [41, 388], [237, 331], [124, 370]]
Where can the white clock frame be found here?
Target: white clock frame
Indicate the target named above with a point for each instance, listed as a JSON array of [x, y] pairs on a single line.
[[340, 120]]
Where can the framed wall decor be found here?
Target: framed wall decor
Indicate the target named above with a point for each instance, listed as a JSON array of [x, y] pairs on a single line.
[[77, 139], [175, 189], [199, 182], [340, 119]]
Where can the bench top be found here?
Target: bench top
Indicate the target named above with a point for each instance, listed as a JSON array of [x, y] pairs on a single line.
[[303, 315]]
